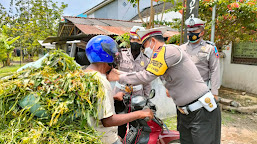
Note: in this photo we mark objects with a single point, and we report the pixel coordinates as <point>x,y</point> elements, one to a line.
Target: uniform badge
<point>216,52</point>
<point>158,65</point>
<point>191,22</point>
<point>194,37</point>
<point>207,100</point>
<point>155,55</point>
<point>142,63</point>
<point>203,48</point>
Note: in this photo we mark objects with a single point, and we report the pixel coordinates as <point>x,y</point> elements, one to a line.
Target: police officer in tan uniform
<point>197,106</point>
<point>131,60</point>
<point>203,54</point>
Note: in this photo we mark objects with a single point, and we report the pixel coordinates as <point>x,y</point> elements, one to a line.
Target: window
<point>244,53</point>
<point>124,4</point>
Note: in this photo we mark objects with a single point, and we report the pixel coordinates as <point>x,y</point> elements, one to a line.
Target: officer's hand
<point>119,96</point>
<point>113,75</point>
<point>168,94</point>
<point>216,97</point>
<point>147,113</point>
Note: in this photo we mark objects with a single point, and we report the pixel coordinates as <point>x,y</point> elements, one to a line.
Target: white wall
<point>168,17</point>
<point>239,76</point>
<point>128,12</point>
<point>109,11</point>
<point>165,106</point>
<point>120,11</point>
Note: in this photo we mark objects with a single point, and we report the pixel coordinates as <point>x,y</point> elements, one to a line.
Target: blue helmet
<point>101,48</point>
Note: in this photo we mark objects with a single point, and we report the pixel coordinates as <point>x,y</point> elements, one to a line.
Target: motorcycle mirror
<point>152,93</point>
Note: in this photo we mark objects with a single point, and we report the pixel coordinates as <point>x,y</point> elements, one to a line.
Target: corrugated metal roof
<point>101,22</point>
<point>104,30</point>
<point>97,26</point>
<point>116,30</point>
<point>88,29</point>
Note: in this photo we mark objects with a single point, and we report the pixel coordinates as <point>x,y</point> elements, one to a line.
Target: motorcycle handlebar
<point>147,118</point>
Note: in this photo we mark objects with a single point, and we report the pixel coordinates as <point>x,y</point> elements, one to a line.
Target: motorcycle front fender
<point>168,136</point>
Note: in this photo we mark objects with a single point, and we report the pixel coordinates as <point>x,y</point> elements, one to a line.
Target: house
<point>168,17</point>
<point>116,9</point>
<point>75,32</point>
<point>123,10</point>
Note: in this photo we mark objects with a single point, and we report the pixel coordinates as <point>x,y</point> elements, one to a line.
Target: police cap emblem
<point>191,22</point>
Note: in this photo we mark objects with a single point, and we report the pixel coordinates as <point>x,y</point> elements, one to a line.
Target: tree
<point>33,20</point>
<point>6,47</point>
<point>150,24</point>
<point>235,21</point>
<point>123,40</point>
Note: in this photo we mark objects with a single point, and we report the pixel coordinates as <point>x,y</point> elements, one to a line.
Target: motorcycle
<point>145,131</point>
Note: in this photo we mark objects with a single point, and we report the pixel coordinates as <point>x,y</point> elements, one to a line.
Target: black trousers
<point>119,107</point>
<point>200,127</point>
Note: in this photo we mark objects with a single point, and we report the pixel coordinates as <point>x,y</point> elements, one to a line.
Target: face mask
<point>135,49</point>
<point>193,37</point>
<point>148,51</point>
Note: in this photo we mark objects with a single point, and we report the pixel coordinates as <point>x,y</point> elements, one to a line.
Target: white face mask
<point>149,51</point>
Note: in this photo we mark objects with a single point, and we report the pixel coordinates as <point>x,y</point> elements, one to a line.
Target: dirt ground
<point>244,98</point>
<point>239,128</point>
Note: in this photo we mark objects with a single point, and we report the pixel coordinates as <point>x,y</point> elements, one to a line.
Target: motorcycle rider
<point>131,60</point>
<point>101,51</point>
<point>199,112</point>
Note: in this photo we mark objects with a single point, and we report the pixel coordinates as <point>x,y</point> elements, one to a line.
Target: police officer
<point>203,53</point>
<point>131,60</point>
<point>197,106</point>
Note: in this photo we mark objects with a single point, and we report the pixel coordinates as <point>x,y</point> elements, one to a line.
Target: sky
<point>75,7</point>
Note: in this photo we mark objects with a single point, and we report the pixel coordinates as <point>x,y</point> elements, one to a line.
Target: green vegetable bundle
<point>52,104</point>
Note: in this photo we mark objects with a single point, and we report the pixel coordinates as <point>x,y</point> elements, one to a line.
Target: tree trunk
<point>163,9</point>
<point>150,23</point>
<point>8,60</point>
<point>246,110</point>
<point>4,63</point>
<point>139,13</point>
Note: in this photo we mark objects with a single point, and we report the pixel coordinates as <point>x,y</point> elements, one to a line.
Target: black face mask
<point>135,49</point>
<point>194,37</point>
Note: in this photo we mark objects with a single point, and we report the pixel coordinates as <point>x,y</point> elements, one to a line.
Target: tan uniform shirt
<point>109,134</point>
<point>206,61</point>
<point>183,80</point>
<point>128,64</point>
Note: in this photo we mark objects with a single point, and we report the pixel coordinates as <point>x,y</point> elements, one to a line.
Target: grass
<point>171,123</point>
<point>4,71</point>
<point>227,117</point>
<point>18,58</point>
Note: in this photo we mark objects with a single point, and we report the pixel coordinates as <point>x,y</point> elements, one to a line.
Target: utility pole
<point>182,23</point>
<point>213,23</point>
<point>192,7</point>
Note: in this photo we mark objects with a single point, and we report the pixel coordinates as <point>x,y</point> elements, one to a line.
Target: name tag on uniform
<point>142,63</point>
